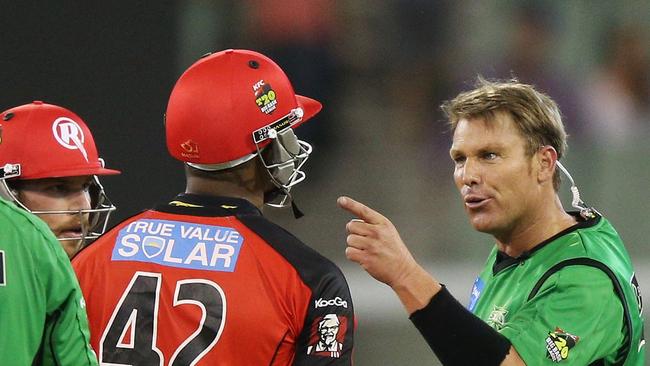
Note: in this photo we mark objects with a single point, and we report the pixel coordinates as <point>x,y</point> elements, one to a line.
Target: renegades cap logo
<point>69,135</point>
<point>559,343</point>
<point>265,97</point>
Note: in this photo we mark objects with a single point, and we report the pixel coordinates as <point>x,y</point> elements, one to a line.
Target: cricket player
<point>49,167</point>
<point>42,315</point>
<point>557,287</point>
<point>204,278</point>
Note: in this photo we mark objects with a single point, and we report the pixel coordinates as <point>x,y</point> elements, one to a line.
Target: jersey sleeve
<point>575,318</point>
<point>327,334</point>
<point>327,328</point>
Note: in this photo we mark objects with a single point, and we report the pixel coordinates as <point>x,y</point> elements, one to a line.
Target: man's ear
<point>546,159</point>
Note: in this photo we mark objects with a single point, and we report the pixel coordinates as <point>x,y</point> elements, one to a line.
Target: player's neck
<point>542,224</point>
<point>248,181</point>
<point>225,189</point>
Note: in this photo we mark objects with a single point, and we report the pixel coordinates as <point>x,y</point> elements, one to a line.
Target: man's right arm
<point>487,345</point>
<point>448,327</point>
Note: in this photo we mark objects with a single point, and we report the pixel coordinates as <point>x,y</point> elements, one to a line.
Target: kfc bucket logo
<point>69,135</point>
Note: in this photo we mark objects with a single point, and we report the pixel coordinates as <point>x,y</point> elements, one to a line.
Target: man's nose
<point>471,174</point>
<point>80,201</point>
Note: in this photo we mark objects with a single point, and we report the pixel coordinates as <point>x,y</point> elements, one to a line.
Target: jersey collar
<point>504,261</point>
<point>202,205</point>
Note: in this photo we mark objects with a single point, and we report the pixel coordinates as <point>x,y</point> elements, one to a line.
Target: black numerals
<point>129,338</point>
<point>209,296</point>
<point>130,335</point>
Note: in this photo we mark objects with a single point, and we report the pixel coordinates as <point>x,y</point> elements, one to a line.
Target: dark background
<point>113,65</point>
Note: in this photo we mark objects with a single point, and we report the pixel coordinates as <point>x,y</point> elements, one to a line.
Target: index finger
<point>360,210</point>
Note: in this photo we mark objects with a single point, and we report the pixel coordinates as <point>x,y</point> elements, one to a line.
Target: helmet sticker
<point>69,135</point>
<point>283,123</point>
<point>265,97</point>
<point>190,149</point>
<point>9,171</point>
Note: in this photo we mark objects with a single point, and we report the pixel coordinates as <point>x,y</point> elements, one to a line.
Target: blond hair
<point>536,116</point>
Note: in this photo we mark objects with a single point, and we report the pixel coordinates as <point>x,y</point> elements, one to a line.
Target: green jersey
<point>42,313</point>
<point>572,299</point>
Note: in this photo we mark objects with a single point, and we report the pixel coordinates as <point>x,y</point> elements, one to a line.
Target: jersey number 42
<point>130,335</point>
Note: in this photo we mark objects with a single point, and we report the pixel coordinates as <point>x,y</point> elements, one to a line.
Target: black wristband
<point>456,336</point>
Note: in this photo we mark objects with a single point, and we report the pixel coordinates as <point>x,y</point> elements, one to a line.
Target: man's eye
<point>458,160</point>
<point>490,156</point>
<point>59,188</point>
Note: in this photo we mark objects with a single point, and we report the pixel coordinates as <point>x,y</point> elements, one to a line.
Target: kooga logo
<point>337,301</point>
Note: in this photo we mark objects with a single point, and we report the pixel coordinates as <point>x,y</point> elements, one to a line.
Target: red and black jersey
<point>209,281</point>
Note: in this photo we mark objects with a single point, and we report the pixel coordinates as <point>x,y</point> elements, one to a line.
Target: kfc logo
<point>69,135</point>
<point>327,336</point>
<point>265,97</point>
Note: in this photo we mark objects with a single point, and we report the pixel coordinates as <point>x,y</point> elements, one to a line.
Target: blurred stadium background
<point>382,68</point>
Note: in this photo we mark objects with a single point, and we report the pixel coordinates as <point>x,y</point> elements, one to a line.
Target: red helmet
<point>47,141</point>
<point>222,99</point>
<point>230,105</point>
<point>40,140</point>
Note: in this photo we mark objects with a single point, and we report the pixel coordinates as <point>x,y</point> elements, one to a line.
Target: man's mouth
<point>70,233</point>
<point>475,201</point>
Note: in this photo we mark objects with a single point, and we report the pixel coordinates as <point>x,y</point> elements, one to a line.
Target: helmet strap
<point>296,211</point>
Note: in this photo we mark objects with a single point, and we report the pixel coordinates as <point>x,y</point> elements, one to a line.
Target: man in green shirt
<point>42,313</point>
<point>48,167</point>
<point>558,287</point>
